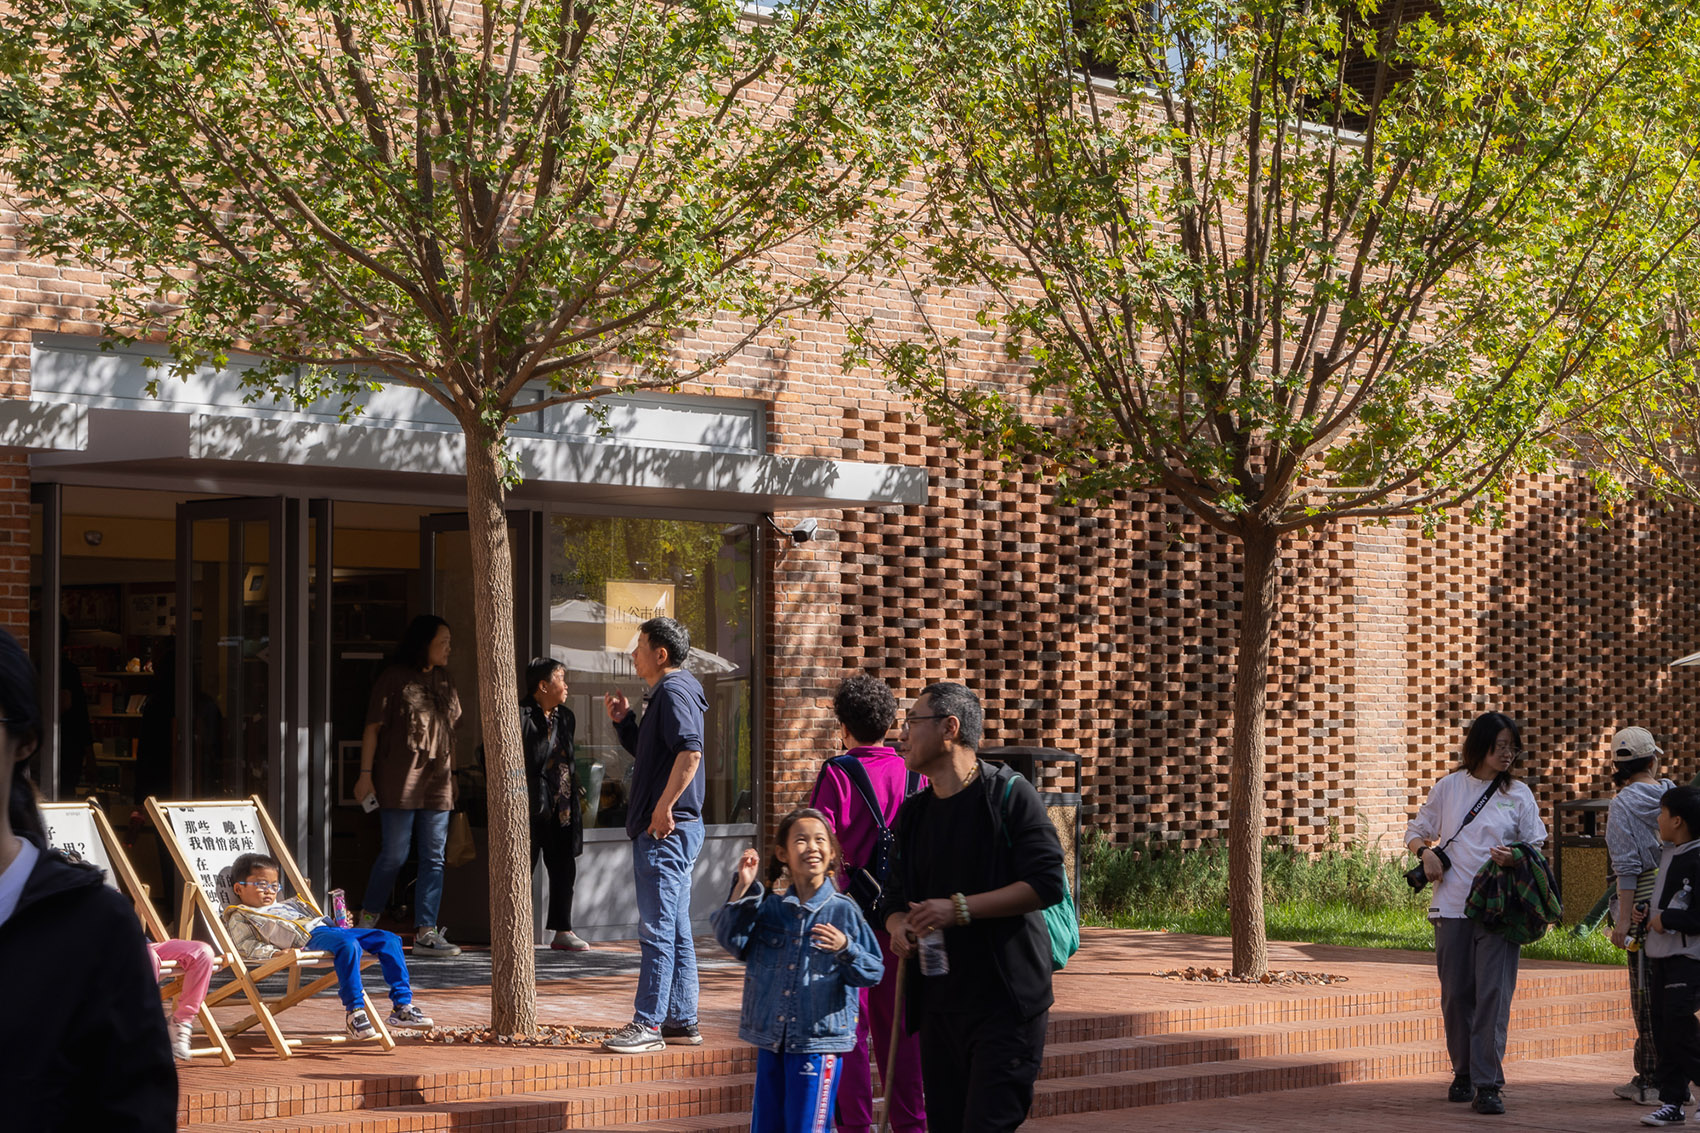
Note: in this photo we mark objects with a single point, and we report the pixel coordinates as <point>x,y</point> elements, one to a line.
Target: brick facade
<point>15,543</point>
<point>1111,631</point>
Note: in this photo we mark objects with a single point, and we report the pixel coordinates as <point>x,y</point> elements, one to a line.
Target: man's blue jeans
<point>345,946</point>
<point>667,981</point>
<point>398,827</point>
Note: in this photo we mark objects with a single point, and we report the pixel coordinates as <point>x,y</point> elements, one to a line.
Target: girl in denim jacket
<point>807,950</point>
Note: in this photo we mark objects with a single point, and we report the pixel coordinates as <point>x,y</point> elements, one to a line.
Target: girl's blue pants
<point>794,1092</point>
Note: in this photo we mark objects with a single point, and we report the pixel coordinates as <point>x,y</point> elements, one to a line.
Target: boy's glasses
<point>268,886</point>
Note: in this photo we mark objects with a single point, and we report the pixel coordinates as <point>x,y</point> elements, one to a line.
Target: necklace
<point>973,773</point>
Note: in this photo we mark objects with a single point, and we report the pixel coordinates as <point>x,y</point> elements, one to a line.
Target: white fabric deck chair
<point>82,830</point>
<point>204,840</point>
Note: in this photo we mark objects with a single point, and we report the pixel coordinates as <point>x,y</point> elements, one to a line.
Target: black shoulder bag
<point>1416,877</point>
<point>867,881</point>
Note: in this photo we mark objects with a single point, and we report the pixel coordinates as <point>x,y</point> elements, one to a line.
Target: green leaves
<point>543,197</point>
<point>1298,263</point>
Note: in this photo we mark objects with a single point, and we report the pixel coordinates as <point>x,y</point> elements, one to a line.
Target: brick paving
<point>1126,1050</point>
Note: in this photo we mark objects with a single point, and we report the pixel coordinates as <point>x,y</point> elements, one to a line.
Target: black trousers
<point>554,844</point>
<point>978,1070</point>
<point>1674,996</point>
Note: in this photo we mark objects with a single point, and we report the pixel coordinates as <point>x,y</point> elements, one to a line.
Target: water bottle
<point>339,909</point>
<point>1680,901</point>
<point>934,960</point>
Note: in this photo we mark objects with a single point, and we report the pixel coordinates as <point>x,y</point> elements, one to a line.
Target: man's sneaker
<point>408,1016</point>
<point>1460,1090</point>
<point>180,1032</point>
<point>569,941</point>
<point>1488,1101</point>
<point>366,920</point>
<point>359,1025</point>
<point>1665,1115</point>
<point>681,1034</point>
<point>634,1038</point>
<point>1630,1091</point>
<point>432,942</point>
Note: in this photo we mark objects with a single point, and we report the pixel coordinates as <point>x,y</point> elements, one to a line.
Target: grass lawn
<point>1336,922</point>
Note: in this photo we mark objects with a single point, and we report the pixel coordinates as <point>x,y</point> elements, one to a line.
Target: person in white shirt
<point>1478,968</point>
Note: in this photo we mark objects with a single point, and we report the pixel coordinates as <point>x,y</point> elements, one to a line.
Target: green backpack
<point>1061,924</point>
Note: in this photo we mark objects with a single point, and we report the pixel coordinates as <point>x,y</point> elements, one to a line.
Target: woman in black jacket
<point>87,1047</point>
<point>551,781</point>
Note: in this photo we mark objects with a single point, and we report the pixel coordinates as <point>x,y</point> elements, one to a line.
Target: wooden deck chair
<point>83,831</point>
<point>204,840</point>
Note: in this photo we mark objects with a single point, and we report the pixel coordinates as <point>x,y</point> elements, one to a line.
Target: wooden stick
<point>891,1049</point>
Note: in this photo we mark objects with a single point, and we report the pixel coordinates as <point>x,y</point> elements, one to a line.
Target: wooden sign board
<point>72,832</point>
<point>213,836</point>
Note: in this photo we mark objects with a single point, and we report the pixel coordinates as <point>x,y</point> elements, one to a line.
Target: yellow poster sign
<point>631,602</point>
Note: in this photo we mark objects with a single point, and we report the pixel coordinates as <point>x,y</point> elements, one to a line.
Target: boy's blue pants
<point>345,946</point>
<point>794,1092</point>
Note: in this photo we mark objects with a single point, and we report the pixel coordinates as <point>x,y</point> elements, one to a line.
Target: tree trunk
<point>1258,603</point>
<point>513,965</point>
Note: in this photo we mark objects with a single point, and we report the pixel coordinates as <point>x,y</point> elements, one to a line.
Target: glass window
<point>606,577</point>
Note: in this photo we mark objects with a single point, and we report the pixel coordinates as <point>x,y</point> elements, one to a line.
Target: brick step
<point>1130,1089</point>
<point>722,1102</point>
<point>1190,1048</point>
<point>703,1105</point>
<point>1387,1106</point>
<point>552,1071</point>
<point>1114,1044</point>
<point>709,1123</point>
<point>1066,1028</point>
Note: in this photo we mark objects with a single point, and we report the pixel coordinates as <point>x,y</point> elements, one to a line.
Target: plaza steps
<point>1271,1040</point>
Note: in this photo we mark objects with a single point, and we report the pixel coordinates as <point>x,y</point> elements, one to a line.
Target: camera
<point>1416,877</point>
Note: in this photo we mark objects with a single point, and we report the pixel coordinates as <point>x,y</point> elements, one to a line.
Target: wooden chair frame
<point>130,884</point>
<point>289,961</point>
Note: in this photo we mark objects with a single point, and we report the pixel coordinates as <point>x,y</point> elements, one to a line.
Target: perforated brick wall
<point>1109,632</point>
<point>1564,625</point>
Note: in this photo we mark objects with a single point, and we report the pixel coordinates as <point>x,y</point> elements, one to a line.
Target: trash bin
<point>1062,806</point>
<point>1580,861</point>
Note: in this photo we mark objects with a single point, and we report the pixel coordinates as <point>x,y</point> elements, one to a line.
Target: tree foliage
<point>1297,262</point>
<point>508,205</point>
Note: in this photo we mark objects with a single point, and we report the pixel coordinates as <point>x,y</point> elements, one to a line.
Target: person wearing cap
<point>1632,841</point>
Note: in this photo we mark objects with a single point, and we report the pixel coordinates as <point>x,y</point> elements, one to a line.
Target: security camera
<point>805,530</point>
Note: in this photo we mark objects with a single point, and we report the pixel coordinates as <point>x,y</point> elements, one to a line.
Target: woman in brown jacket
<point>407,762</point>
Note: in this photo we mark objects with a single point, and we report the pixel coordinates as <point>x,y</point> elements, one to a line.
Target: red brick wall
<point>15,543</point>
<point>1564,624</point>
<point>1111,631</point>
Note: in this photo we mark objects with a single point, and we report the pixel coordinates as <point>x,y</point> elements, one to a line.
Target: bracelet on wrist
<point>961,903</point>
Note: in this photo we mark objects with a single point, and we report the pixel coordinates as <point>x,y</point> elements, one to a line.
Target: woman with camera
<point>1476,813</point>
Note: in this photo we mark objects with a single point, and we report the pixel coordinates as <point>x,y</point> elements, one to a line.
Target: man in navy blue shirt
<point>664,821</point>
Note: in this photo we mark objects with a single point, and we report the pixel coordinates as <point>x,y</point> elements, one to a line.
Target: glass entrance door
<point>445,559</point>
<point>236,600</point>
<point>445,554</point>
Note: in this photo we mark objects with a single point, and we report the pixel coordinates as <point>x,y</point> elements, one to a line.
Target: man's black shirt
<point>964,844</point>
<point>942,868</point>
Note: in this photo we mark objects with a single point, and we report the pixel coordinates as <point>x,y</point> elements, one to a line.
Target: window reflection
<point>606,576</point>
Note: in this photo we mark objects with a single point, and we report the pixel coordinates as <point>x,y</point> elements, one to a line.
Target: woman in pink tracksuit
<point>195,963</point>
<point>866,709</point>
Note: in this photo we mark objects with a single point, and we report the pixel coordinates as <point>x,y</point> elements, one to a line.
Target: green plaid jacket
<point>1517,901</point>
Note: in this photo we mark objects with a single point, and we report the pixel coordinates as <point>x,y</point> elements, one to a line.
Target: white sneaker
<point>360,1026</point>
<point>180,1032</point>
<point>409,1017</point>
<point>432,942</point>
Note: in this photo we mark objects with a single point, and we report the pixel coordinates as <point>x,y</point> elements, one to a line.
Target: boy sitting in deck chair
<point>262,926</point>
